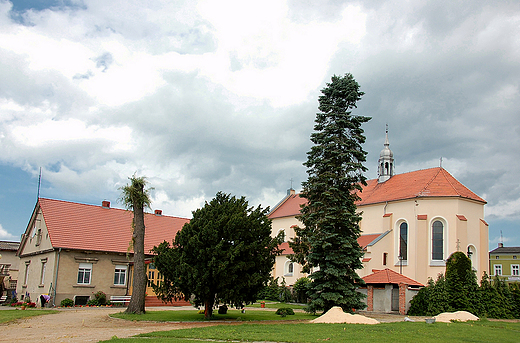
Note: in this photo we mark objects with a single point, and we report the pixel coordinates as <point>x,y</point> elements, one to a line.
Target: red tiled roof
<point>388,276</point>
<point>88,227</point>
<point>433,182</point>
<point>286,249</point>
<point>363,241</point>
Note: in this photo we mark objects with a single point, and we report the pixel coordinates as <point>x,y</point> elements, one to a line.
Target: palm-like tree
<point>135,197</point>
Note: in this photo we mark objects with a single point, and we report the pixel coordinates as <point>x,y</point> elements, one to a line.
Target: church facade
<point>411,223</point>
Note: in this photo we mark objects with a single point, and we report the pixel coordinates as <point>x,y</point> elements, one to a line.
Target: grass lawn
<point>482,331</point>
<point>10,315</point>
<point>194,316</point>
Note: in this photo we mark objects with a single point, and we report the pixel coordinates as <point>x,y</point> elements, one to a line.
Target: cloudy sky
<point>221,95</point>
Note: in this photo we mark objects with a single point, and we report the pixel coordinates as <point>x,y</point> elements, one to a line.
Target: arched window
<point>403,241</point>
<point>289,268</point>
<point>437,240</point>
<point>282,231</point>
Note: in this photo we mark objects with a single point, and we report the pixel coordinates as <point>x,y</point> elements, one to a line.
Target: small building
<point>8,268</point>
<point>389,291</point>
<point>505,262</point>
<point>72,250</point>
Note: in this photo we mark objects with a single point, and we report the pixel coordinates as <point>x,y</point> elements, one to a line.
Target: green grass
<point>474,332</point>
<point>10,315</point>
<point>194,316</point>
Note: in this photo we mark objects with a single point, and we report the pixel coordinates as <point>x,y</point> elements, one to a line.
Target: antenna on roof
<point>501,237</point>
<point>291,182</point>
<point>39,183</point>
<point>440,162</point>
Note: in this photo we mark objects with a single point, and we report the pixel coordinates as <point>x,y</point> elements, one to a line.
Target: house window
<point>84,273</point>
<point>515,269</point>
<point>437,241</point>
<point>514,257</point>
<point>151,277</point>
<point>38,237</point>
<point>498,269</point>
<point>496,257</point>
<point>385,257</point>
<point>26,274</point>
<point>403,241</point>
<point>42,272</point>
<point>120,276</point>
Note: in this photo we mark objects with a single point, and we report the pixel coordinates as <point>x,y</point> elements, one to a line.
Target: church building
<point>411,223</point>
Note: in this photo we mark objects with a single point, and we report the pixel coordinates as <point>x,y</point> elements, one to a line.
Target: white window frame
<point>42,272</point>
<point>287,268</point>
<point>83,270</point>
<point>497,270</point>
<point>120,272</point>
<point>445,238</point>
<point>515,270</point>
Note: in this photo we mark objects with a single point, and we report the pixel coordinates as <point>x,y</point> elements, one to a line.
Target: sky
<point>208,96</point>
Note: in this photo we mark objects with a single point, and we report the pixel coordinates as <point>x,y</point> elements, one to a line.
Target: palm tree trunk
<point>136,304</point>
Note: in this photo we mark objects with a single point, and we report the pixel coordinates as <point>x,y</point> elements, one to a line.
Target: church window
<point>437,240</point>
<point>403,241</point>
<point>385,257</point>
<point>289,268</point>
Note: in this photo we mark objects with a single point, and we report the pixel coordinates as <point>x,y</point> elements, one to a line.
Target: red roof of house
<point>88,227</point>
<point>388,276</point>
<point>433,182</point>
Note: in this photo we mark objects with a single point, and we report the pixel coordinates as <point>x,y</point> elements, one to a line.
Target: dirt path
<point>81,325</point>
<point>94,324</point>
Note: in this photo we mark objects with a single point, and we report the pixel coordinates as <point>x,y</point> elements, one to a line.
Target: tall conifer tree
<point>328,240</point>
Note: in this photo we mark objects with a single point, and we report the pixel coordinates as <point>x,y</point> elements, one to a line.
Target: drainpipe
<point>56,279</point>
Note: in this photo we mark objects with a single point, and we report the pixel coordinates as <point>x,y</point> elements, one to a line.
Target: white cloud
<point>4,235</point>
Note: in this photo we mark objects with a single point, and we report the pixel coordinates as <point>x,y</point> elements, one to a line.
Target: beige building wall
<point>463,228</point>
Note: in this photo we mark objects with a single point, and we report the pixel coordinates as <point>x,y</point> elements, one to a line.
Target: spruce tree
<point>330,218</point>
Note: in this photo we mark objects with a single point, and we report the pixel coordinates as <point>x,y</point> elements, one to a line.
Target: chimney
<point>500,245</point>
<point>105,204</point>
<point>291,191</point>
<point>158,212</point>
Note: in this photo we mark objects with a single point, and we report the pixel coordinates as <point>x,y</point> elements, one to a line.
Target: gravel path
<point>81,325</point>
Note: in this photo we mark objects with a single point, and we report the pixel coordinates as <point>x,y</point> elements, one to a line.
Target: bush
<point>101,298</point>
<point>301,287</point>
<point>285,311</point>
<point>67,302</point>
<point>222,309</point>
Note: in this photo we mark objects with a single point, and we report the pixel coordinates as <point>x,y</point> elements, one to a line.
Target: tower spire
<point>386,160</point>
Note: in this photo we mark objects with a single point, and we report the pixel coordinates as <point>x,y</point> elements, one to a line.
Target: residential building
<point>8,268</point>
<point>72,250</point>
<point>505,262</point>
<point>411,223</point>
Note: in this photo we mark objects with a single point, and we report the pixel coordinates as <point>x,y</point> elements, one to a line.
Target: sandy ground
<point>94,324</point>
<point>81,325</point>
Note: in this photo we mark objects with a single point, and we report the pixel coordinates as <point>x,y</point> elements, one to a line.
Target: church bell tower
<point>386,161</point>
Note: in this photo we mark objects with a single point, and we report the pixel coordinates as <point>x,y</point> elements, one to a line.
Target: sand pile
<point>336,315</point>
<point>461,316</point>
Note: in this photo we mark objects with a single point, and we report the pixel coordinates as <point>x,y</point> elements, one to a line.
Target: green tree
<point>223,255</point>
<point>461,284</point>
<point>438,297</point>
<point>135,197</point>
<point>328,240</point>
<point>301,287</point>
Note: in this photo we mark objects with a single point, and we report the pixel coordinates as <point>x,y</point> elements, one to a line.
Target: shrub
<point>101,298</point>
<point>93,302</point>
<point>301,287</point>
<point>222,309</point>
<point>285,311</point>
<point>67,302</point>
